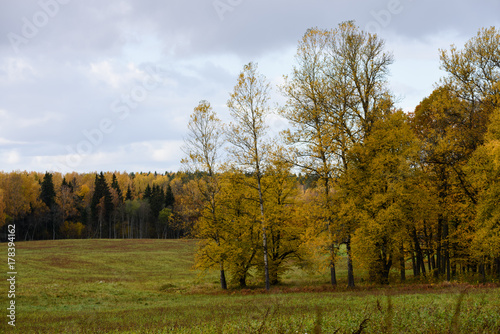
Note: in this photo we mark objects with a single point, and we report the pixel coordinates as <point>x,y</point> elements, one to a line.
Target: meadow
<point>149,286</point>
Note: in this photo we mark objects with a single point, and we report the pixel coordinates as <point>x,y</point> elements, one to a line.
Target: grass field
<point>148,286</point>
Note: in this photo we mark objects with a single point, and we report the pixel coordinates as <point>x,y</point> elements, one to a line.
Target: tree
<point>452,123</point>
<point>248,108</point>
<point>128,195</point>
<point>2,209</point>
<point>101,206</point>
<point>116,186</point>
<point>450,130</point>
<point>283,231</point>
<point>164,222</point>
<point>314,149</point>
<point>359,67</point>
<point>21,197</point>
<point>169,197</point>
<point>66,202</point>
<point>382,176</point>
<point>484,172</point>
<point>131,214</point>
<point>48,196</point>
<point>188,205</point>
<point>202,145</point>
<point>474,72</point>
<point>335,96</point>
<point>147,192</point>
<point>48,193</point>
<point>241,228</point>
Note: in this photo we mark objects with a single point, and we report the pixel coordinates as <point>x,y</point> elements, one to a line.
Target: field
<point>148,286</point>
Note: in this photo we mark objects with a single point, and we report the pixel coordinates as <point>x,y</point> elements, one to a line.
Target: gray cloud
<point>66,65</point>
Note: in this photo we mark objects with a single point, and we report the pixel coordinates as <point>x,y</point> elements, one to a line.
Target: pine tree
<point>169,198</point>
<point>101,206</point>
<point>48,196</point>
<point>116,186</point>
<point>48,193</point>
<point>147,192</point>
<point>156,201</point>
<point>128,195</point>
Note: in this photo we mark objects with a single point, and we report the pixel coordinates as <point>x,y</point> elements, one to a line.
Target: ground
<point>149,286</point>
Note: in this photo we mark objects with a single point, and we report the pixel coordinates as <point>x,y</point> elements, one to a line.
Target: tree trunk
<point>223,283</point>
<point>420,267</point>
<point>497,260</point>
<point>439,265</point>
<point>350,271</point>
<point>402,262</point>
<point>264,236</point>
<point>429,261</point>
<point>266,263</point>
<point>482,271</point>
<point>422,264</point>
<point>446,264</point>
<point>333,275</point>
<point>414,264</point>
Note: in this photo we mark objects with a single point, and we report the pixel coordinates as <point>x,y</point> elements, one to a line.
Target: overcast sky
<point>91,85</point>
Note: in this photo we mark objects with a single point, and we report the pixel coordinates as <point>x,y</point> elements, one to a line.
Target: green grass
<point>148,286</point>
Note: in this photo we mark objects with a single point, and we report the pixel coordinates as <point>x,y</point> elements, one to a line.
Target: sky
<point>109,85</point>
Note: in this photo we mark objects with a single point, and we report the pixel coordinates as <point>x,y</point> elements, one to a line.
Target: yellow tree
<point>283,231</point>
<point>312,135</point>
<point>2,209</point>
<point>473,73</point>
<point>382,181</point>
<point>484,171</point>
<point>202,146</point>
<point>65,200</point>
<point>188,205</point>
<point>450,129</point>
<point>21,197</point>
<point>248,105</point>
<point>473,77</point>
<point>241,227</point>
<point>333,100</point>
<point>473,84</point>
<point>21,190</point>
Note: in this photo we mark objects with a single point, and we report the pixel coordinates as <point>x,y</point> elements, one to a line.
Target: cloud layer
<point>111,84</point>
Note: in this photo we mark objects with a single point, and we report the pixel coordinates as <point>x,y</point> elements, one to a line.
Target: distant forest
<point>48,206</point>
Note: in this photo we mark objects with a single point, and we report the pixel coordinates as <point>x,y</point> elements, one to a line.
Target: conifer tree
<point>128,195</point>
<point>116,186</point>
<point>169,197</point>
<point>48,193</point>
<point>101,207</point>
<point>48,196</point>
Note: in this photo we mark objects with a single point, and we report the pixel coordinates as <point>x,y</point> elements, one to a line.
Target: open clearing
<point>148,286</point>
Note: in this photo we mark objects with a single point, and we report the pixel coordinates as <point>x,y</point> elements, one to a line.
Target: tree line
<point>391,189</point>
<point>49,205</point>
<point>95,205</point>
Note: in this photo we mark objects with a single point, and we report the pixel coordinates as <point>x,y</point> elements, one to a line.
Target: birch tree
<point>248,105</point>
<point>202,146</point>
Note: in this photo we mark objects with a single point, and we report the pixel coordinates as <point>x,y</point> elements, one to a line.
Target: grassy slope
<point>148,286</point>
